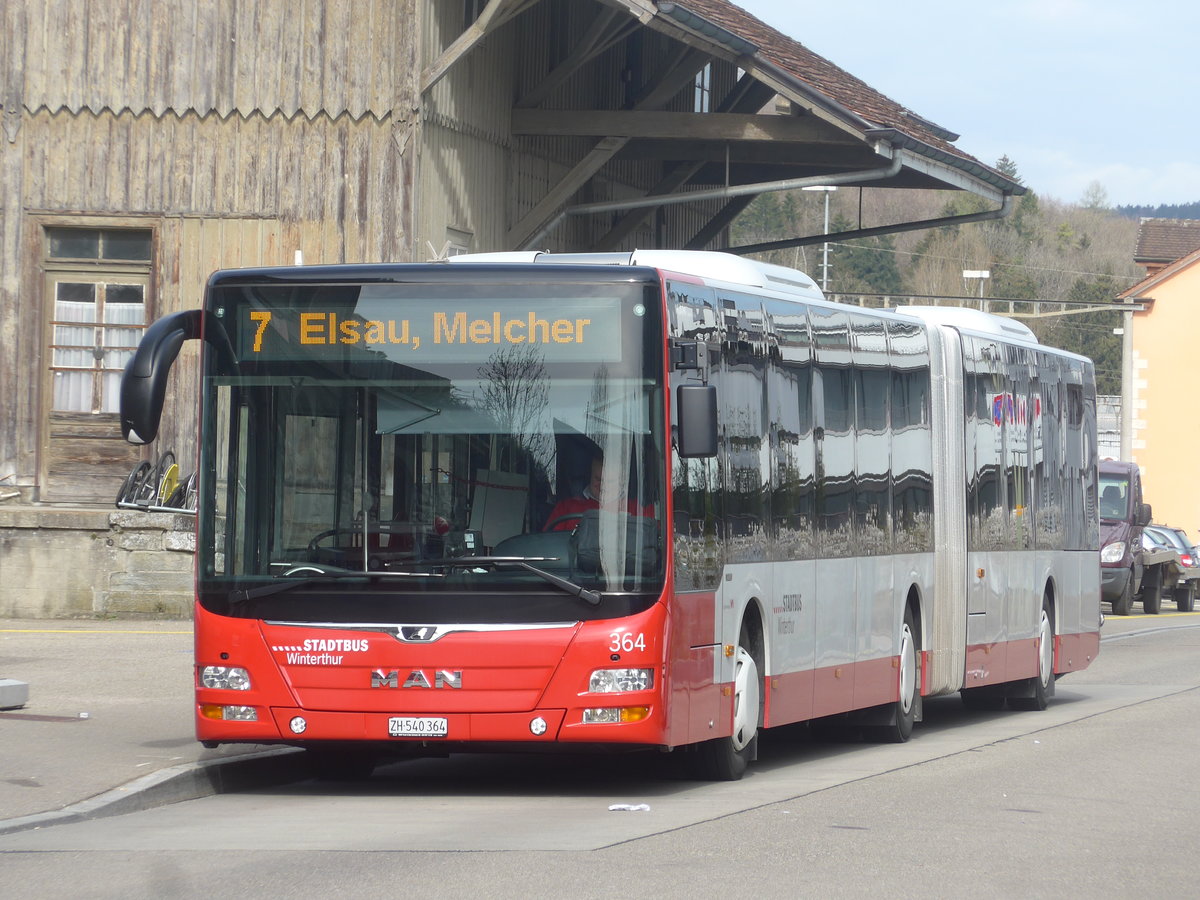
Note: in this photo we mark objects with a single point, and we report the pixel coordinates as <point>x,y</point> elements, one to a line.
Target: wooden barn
<point>146,143</point>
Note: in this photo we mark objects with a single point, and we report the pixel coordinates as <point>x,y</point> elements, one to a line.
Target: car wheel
<point>1185,597</point>
<point>1123,605</point>
<point>1152,585</point>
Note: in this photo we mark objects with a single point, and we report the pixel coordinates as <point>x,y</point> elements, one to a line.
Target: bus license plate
<point>417,726</point>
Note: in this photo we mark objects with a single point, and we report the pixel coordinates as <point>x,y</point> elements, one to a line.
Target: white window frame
<point>110,343</point>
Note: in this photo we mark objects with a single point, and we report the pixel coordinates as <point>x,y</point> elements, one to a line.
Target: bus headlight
<point>615,716</point>
<point>608,681</point>
<point>225,678</point>
<point>229,713</point>
<point>1113,552</point>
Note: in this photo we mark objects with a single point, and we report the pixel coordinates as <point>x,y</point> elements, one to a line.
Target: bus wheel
<point>905,713</point>
<point>726,759</point>
<point>1039,689</point>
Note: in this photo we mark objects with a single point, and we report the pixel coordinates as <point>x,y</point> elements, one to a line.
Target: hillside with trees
<point>1162,211</point>
<point>1055,258</point>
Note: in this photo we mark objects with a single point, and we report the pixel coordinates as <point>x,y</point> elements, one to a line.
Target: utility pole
<point>827,190</point>
<point>980,275</point>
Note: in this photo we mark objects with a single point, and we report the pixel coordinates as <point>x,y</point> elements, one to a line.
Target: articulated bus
<point>657,499</point>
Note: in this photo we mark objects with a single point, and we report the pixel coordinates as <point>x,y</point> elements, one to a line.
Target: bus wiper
<point>522,562</point>
<point>318,574</point>
<point>313,575</point>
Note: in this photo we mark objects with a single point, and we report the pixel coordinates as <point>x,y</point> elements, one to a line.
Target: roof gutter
<point>708,30</point>
<point>903,141</point>
<point>722,193</point>
<point>1005,208</point>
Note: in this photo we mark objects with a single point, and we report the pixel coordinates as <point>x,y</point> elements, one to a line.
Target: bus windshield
<point>433,452</point>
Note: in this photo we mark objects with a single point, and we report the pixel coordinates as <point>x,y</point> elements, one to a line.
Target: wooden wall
<point>222,56</point>
<point>239,133</point>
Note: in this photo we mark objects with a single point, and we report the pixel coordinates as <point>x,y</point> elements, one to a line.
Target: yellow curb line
<point>82,631</point>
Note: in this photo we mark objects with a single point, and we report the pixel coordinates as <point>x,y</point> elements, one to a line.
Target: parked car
<point>1177,539</point>
<point>1183,589</point>
<point>1126,569</point>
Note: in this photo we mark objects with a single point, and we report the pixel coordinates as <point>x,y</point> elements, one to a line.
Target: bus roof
<point>708,265</point>
<point>973,320</point>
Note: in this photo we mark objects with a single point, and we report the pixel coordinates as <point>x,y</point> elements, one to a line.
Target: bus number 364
<point>626,643</point>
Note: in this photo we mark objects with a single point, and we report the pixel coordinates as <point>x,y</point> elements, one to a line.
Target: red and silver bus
<point>653,499</point>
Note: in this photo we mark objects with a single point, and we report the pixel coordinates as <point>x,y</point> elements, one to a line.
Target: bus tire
<point>726,759</point>
<point>903,713</point>
<point>1036,692</point>
<point>1123,605</point>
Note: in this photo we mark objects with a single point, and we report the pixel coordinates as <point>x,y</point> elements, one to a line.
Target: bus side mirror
<point>1144,516</point>
<point>696,413</point>
<point>144,383</point>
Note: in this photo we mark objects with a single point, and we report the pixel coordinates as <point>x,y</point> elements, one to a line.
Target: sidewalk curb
<point>174,785</point>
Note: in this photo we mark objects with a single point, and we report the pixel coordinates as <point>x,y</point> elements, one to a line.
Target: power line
<point>913,253</point>
<point>974,299</point>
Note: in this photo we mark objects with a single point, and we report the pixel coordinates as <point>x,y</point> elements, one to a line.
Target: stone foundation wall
<point>62,563</point>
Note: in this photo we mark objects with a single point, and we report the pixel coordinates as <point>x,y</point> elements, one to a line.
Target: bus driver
<point>567,512</point>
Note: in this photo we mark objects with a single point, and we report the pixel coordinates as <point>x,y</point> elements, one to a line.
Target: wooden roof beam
<point>605,31</point>
<point>746,94</point>
<point>719,222</point>
<point>535,221</point>
<point>495,14</point>
<point>678,126</point>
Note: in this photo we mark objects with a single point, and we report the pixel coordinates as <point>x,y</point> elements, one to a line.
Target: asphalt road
<point>1092,797</point>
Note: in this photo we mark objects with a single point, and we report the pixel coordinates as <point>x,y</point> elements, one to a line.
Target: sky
<point>1073,91</point>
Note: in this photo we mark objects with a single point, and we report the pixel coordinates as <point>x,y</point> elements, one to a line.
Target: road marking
<point>83,631</point>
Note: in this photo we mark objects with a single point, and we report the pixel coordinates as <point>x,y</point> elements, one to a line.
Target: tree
<point>1095,197</point>
<point>1090,334</point>
<point>1008,168</point>
<point>1012,280</point>
<point>1039,252</point>
<point>866,265</point>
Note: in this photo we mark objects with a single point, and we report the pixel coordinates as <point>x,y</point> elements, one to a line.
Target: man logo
<point>415,633</point>
<point>443,678</point>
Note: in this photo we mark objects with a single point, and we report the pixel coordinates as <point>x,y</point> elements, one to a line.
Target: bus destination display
<point>403,331</point>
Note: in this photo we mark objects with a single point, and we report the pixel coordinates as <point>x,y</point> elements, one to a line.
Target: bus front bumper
<point>538,726</point>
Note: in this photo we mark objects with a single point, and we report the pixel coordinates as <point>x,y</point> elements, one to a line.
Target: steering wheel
<point>297,570</point>
<point>575,516</point>
<point>312,545</point>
